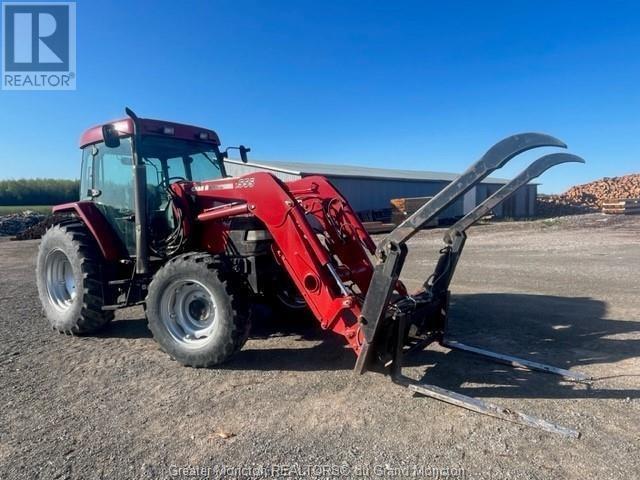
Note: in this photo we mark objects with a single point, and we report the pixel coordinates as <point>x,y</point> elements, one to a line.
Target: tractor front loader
<point>160,224</point>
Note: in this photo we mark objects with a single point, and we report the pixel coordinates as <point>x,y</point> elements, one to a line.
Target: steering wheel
<point>162,192</point>
<point>167,181</point>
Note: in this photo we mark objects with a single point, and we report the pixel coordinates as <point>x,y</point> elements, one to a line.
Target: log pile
<point>589,197</point>
<point>558,206</point>
<point>609,188</point>
<point>35,231</point>
<point>18,222</point>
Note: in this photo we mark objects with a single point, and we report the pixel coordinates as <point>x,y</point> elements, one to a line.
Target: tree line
<point>38,191</point>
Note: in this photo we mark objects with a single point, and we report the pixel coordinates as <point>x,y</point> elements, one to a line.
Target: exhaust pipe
<point>140,196</point>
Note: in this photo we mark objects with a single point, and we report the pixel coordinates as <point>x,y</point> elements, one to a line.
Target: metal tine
<point>490,409</point>
<point>517,362</point>
<point>495,158</point>
<point>534,170</point>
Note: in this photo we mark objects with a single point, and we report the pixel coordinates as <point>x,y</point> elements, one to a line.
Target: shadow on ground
<point>126,328</point>
<point>299,330</point>
<point>562,331</point>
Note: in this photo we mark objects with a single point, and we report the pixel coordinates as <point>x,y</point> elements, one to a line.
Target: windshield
<point>172,160</point>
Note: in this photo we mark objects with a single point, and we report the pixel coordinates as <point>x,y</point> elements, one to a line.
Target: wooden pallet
<point>402,208</point>
<point>409,205</point>
<point>626,206</point>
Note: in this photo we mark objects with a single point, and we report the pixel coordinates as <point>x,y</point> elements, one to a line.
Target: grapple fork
<point>389,327</point>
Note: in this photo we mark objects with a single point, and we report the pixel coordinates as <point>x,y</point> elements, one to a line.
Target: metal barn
<point>368,188</point>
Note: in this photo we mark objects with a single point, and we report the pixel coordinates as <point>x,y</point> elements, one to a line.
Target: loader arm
<point>330,278</point>
<point>321,243</point>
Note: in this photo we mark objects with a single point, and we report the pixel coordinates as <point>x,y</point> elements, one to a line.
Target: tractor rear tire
<point>198,310</point>
<point>69,276</point>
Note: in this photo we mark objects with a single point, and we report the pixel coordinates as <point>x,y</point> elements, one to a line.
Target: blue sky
<point>418,85</point>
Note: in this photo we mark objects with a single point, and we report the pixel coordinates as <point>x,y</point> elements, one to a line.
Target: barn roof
<point>356,171</point>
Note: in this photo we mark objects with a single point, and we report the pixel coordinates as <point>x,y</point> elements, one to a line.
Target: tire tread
<point>91,317</point>
<point>233,289</point>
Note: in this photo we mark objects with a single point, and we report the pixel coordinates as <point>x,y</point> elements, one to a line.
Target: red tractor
<point>159,223</point>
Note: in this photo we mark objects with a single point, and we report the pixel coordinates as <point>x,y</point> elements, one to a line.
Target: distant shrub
<point>38,191</point>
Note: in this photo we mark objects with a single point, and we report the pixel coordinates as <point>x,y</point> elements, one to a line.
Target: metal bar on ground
<point>490,409</point>
<point>516,362</point>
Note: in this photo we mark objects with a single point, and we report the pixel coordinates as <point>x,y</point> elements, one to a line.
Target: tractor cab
<point>169,153</point>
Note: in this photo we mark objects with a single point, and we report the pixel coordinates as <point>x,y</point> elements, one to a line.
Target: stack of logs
<point>36,231</point>
<point>18,222</point>
<point>590,197</point>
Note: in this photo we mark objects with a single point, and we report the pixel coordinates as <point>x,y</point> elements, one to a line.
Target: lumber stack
<point>401,208</point>
<point>627,206</point>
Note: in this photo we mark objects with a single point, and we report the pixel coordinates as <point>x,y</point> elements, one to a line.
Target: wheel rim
<point>60,281</point>
<point>188,312</point>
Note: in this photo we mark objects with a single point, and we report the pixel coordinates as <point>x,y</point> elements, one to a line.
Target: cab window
<point>109,173</point>
<point>113,175</point>
<point>174,159</point>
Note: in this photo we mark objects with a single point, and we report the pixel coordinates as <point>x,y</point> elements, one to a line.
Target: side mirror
<point>111,136</point>
<point>243,153</point>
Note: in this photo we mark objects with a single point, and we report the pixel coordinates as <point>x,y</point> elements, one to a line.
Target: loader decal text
<point>246,183</point>
<point>212,186</point>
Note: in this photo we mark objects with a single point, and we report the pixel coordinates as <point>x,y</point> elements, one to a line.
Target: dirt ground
<point>563,291</point>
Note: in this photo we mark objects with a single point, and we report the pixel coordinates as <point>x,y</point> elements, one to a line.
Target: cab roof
<point>151,127</point>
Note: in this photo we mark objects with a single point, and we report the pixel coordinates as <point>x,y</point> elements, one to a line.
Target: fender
<point>108,242</point>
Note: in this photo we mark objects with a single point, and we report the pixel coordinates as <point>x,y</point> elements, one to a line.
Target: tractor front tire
<point>198,310</point>
<point>70,280</point>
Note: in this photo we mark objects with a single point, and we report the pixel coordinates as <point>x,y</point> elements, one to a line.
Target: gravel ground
<point>562,290</point>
